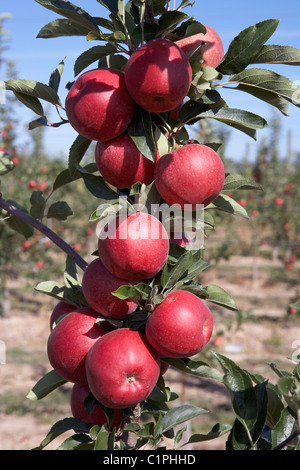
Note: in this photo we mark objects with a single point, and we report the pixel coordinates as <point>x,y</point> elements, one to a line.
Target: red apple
<point>242,202</point>
<point>70,341</point>
<point>191,174</point>
<point>61,308</point>
<point>31,184</point>
<point>26,244</point>
<point>42,186</point>
<point>158,75</point>
<point>122,368</point>
<point>218,341</point>
<point>212,49</point>
<point>180,326</point>
<point>79,393</point>
<point>279,201</point>
<point>98,104</point>
<point>97,285</point>
<point>39,264</point>
<point>122,164</point>
<point>134,247</point>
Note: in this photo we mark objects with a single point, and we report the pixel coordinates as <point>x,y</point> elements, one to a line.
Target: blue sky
<point>36,58</point>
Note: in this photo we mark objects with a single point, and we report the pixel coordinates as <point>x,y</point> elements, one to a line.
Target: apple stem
<point>15,212</point>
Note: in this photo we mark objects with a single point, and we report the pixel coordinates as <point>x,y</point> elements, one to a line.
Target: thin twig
<point>289,439</point>
<point>58,241</point>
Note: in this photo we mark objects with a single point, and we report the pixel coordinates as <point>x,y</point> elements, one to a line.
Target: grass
<point>14,401</point>
<point>47,410</point>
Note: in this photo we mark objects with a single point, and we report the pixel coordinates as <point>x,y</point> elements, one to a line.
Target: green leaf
<point>62,27</point>
<point>37,204</point>
<point>18,225</point>
<point>55,77</point>
<point>246,45</point>
<point>296,305</point>
<point>148,32</point>
<point>169,20</point>
<point>236,181</point>
<point>91,55</point>
<point>58,291</point>
<point>6,165</point>
<point>197,368</point>
<point>219,296</point>
<point>218,430</point>
<point>76,153</point>
<point>70,11</point>
<point>31,88</point>
<point>32,103</point>
<point>189,28</point>
<point>180,274</point>
<point>62,179</point>
<point>239,383</point>
<point>274,402</point>
<point>238,438</point>
<point>46,385</point>
<point>98,187</point>
<point>140,130</point>
<point>179,415</point>
<point>78,441</point>
<point>261,412</point>
<point>71,277</point>
<point>113,61</point>
<point>172,273</point>
<point>244,121</point>
<point>138,291</point>
<point>266,80</point>
<point>59,210</point>
<point>275,54</point>
<point>40,122</point>
<point>283,428</point>
<point>289,388</point>
<point>62,426</point>
<point>193,287</point>
<point>196,267</point>
<point>102,440</point>
<point>226,204</point>
<point>114,6</point>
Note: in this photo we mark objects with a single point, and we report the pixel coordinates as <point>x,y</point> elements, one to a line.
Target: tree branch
<point>15,212</point>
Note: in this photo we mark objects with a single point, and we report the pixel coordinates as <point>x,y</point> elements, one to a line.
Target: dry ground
<point>264,335</point>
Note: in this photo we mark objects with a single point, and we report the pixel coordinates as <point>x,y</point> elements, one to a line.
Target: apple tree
<point>147,80</point>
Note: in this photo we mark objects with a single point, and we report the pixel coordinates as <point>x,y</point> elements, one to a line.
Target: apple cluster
<point>103,102</point>
<point>119,365</point>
